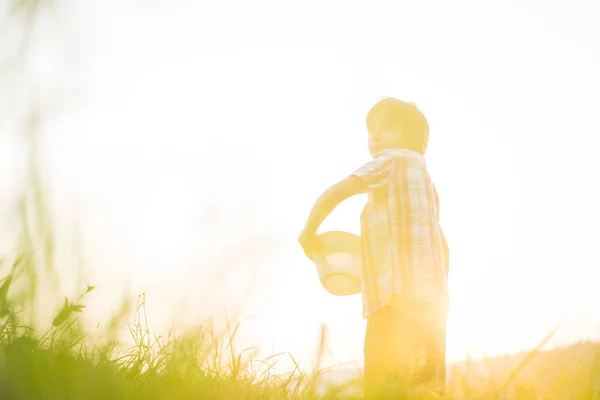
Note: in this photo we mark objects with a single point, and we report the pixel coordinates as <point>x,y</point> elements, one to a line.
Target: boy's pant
<point>405,349</point>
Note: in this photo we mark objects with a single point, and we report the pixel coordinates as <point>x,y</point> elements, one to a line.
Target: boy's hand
<point>310,243</point>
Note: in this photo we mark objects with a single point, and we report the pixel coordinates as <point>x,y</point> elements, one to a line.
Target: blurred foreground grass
<point>61,362</point>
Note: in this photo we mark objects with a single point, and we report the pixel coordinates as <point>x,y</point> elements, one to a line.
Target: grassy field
<point>62,362</point>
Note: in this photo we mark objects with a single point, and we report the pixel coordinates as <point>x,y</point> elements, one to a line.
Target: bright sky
<point>195,135</point>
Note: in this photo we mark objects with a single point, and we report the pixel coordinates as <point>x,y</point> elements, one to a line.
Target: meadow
<point>65,361</point>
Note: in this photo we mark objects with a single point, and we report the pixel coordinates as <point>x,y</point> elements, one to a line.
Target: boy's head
<point>395,124</point>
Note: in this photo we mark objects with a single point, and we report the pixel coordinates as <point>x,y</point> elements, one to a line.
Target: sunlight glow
<point>196,152</point>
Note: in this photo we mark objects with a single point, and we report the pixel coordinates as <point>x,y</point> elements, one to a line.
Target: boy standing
<point>404,253</point>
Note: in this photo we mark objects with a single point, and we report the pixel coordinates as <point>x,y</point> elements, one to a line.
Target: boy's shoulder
<point>379,171</point>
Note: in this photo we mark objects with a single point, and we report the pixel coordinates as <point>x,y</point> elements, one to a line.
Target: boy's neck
<point>399,151</point>
<point>399,148</point>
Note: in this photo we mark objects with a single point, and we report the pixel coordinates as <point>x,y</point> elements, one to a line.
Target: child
<point>404,253</point>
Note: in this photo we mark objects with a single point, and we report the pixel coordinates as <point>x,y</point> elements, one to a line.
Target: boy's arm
<point>328,201</point>
<point>372,175</point>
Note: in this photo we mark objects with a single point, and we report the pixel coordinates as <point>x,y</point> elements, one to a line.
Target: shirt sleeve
<point>376,173</point>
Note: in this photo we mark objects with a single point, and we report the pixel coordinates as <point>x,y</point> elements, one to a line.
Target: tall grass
<point>59,362</point>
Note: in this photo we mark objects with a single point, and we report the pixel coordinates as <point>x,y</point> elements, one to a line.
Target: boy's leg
<point>376,359</point>
<point>405,347</point>
<point>433,339</point>
<point>388,353</point>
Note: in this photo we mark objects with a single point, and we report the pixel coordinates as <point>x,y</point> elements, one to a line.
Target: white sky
<point>193,136</point>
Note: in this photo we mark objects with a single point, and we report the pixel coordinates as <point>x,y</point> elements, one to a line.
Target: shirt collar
<point>401,153</point>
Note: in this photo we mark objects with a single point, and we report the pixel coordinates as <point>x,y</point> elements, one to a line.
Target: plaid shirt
<point>402,243</point>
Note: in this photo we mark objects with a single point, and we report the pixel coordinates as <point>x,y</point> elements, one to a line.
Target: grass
<point>62,362</point>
